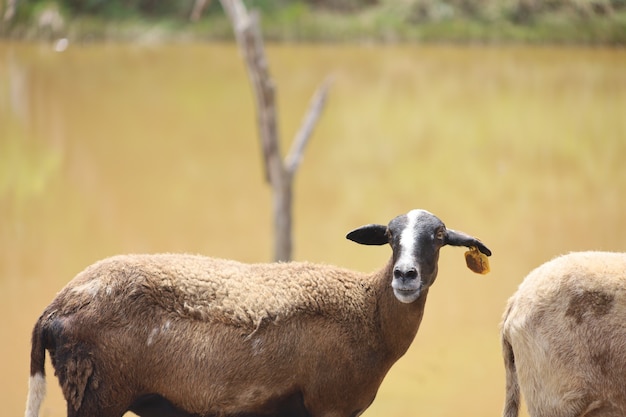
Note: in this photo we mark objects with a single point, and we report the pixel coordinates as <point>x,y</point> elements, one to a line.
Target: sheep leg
<point>93,407</point>
<point>98,400</point>
<point>292,406</point>
<point>512,401</point>
<point>154,405</point>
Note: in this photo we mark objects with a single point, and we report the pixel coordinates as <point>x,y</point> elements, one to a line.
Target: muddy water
<point>108,149</point>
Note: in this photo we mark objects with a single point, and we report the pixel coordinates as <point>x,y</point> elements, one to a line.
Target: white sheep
<point>184,335</point>
<point>564,338</point>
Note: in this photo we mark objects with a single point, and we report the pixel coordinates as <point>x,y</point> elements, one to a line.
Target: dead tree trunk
<point>278,172</point>
<point>198,7</point>
<point>9,10</point>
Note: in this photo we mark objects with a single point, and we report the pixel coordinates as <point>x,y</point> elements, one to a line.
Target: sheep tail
<point>37,381</point>
<point>512,399</point>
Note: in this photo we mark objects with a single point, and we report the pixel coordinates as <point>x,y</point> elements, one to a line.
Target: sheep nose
<point>405,273</point>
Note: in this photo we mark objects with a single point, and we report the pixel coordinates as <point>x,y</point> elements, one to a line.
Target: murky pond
<point>108,149</point>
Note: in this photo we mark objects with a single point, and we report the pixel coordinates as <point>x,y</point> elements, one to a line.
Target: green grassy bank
<point>484,21</point>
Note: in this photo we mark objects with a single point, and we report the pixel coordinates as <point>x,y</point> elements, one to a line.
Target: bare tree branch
<point>198,7</point>
<point>10,7</point>
<point>248,34</point>
<point>278,173</point>
<point>294,157</point>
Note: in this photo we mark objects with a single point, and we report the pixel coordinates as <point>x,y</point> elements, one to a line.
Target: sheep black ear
<point>371,234</point>
<point>454,238</point>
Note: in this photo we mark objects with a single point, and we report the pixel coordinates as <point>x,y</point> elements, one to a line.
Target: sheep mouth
<point>407,295</point>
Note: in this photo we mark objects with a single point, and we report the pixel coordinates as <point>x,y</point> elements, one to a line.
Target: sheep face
<point>415,238</point>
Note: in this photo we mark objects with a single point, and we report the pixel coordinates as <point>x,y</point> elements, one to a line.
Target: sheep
<point>564,338</point>
<point>188,335</point>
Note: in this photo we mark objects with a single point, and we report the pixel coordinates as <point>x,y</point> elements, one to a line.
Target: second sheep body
<point>564,338</point>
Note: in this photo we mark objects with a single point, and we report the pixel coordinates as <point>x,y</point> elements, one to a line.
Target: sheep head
<point>415,240</point>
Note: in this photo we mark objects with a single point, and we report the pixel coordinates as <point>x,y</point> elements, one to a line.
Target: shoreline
<point>324,28</point>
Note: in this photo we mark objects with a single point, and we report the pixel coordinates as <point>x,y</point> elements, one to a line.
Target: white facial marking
<point>407,238</point>
<point>36,393</point>
<point>408,290</point>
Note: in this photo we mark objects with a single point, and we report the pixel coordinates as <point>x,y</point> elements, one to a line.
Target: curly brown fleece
<point>218,290</point>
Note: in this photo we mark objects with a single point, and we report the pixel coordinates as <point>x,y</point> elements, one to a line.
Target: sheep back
<point>216,290</point>
<point>580,285</point>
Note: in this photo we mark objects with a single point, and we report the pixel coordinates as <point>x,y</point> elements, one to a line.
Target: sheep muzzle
<point>407,288</point>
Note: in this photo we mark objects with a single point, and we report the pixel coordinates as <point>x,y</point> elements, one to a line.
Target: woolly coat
<point>174,314</point>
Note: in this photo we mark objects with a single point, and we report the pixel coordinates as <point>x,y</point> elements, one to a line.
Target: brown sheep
<point>564,338</point>
<point>184,335</point>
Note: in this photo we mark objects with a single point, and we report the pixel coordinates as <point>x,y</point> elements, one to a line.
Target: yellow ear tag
<point>477,261</point>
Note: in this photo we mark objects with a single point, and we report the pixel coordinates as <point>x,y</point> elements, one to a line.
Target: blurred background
<point>129,127</point>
